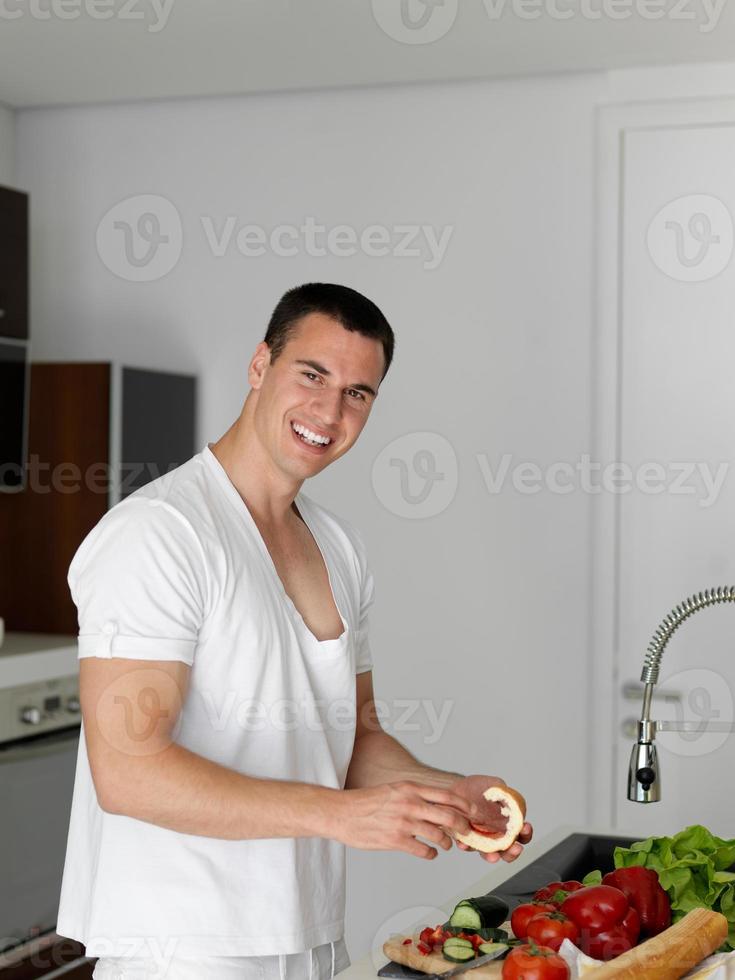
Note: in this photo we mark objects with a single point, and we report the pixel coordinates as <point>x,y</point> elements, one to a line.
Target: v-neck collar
<point>300,500</point>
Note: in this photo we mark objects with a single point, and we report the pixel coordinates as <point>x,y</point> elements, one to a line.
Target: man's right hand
<point>390,817</point>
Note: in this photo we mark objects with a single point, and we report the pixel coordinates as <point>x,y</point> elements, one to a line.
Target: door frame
<point>613,124</point>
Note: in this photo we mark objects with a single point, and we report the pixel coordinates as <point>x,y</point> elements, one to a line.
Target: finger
<point>513,852</point>
<point>419,849</point>
<point>435,794</point>
<point>445,816</point>
<point>433,833</point>
<point>526,833</point>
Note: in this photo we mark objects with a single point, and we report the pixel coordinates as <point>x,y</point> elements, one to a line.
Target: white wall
<point>484,604</point>
<point>7,146</point>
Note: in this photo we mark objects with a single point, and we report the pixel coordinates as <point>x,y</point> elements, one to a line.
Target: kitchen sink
<point>572,858</point>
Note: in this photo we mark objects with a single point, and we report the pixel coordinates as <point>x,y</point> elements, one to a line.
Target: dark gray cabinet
<point>13,264</point>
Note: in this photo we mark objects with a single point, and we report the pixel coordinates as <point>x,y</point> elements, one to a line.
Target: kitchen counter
<point>491,880</point>
<point>29,657</point>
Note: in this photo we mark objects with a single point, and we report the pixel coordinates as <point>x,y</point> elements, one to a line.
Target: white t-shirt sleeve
<point>363,653</point>
<point>139,583</point>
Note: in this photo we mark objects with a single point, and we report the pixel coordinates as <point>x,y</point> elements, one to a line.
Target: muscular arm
<point>377,757</point>
<point>130,709</point>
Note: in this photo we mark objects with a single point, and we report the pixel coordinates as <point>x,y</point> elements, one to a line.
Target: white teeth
<point>310,436</point>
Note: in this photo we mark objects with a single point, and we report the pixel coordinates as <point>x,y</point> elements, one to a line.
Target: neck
<point>268,493</point>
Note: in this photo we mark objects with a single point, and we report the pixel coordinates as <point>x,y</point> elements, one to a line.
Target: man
<point>231,748</point>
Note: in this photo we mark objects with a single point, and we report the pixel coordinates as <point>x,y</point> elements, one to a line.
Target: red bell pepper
<point>556,891</point>
<point>608,924</point>
<point>644,892</point>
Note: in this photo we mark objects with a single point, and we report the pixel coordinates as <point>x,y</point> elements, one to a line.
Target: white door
<point>666,518</point>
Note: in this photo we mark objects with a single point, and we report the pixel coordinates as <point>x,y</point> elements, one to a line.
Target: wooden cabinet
<point>82,972</point>
<point>13,264</point>
<point>97,432</point>
<point>36,970</point>
<point>47,955</point>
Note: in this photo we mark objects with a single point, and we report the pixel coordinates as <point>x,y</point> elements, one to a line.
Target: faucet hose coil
<point>673,621</point>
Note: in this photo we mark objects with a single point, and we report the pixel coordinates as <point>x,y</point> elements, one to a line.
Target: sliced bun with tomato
<point>498,813</point>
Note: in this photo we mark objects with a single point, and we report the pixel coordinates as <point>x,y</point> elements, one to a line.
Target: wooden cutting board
<point>435,962</point>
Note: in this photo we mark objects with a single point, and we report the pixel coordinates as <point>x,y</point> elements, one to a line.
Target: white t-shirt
<point>179,571</point>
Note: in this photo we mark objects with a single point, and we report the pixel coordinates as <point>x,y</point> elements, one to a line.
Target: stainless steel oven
<point>39,738</point>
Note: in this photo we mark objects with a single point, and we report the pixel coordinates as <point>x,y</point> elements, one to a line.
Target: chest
<point>303,574</point>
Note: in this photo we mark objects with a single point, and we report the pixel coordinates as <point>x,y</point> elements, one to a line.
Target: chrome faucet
<point>644,777</point>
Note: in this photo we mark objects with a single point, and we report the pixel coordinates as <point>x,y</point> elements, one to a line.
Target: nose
<point>327,407</point>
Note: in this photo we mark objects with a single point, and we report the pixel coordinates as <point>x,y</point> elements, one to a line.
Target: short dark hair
<point>348,307</point>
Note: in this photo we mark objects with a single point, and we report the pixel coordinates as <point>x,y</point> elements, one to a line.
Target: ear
<point>259,364</point>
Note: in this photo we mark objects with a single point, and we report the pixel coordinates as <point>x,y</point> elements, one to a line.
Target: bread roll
<point>501,813</point>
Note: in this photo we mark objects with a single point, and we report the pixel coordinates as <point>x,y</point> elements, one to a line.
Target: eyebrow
<point>322,370</point>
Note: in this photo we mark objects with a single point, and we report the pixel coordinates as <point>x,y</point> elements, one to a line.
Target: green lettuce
<point>693,868</point>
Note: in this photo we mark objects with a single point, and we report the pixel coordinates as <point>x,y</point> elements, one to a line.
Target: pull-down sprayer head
<point>644,778</point>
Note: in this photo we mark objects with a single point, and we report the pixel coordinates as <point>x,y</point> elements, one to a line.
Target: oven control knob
<point>31,715</point>
<point>72,705</point>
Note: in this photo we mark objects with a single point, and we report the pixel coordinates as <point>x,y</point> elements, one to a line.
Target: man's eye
<point>310,374</point>
<point>359,394</point>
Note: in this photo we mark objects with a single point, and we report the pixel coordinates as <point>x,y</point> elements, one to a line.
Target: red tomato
<point>597,907</point>
<point>425,935</point>
<point>556,891</point>
<point>534,963</point>
<point>551,929</point>
<point>608,925</point>
<point>523,914</point>
<point>423,949</point>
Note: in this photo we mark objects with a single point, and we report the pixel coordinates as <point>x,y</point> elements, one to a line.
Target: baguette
<point>672,953</point>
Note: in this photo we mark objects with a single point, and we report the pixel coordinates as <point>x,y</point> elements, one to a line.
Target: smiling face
<point>323,383</point>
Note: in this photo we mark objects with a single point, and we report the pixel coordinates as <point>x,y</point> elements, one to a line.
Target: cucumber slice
<point>485,912</point>
<point>484,948</point>
<point>457,941</point>
<point>466,917</point>
<point>458,954</point>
